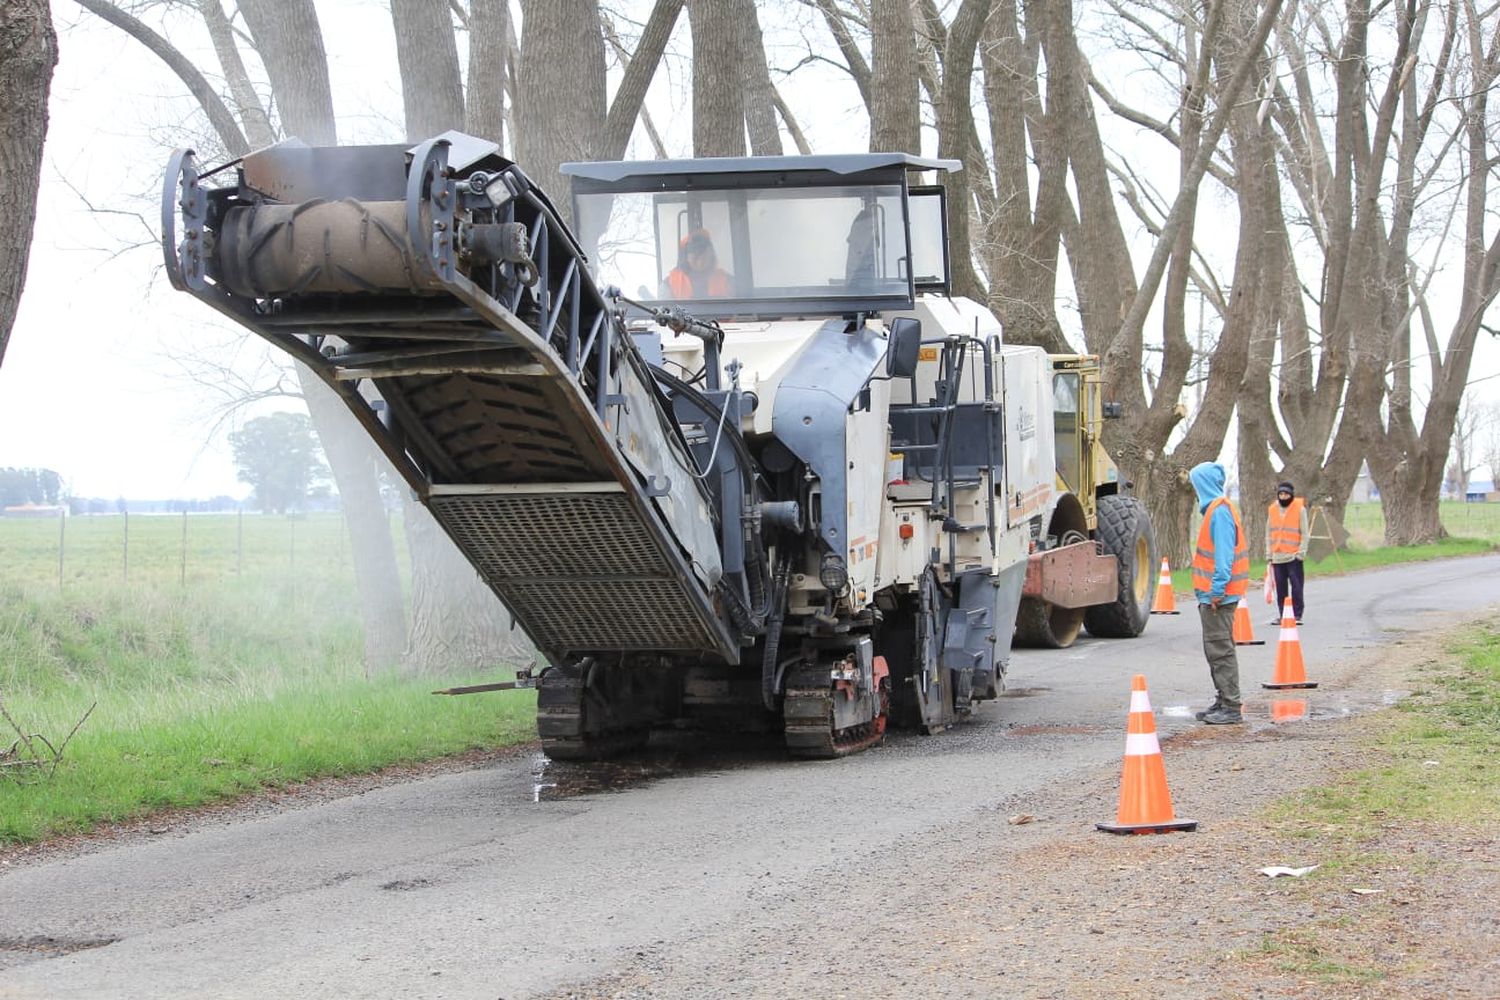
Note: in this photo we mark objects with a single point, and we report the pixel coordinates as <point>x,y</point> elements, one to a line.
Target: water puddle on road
<point>670,755</point>
<point>1023,692</point>
<point>1303,705</point>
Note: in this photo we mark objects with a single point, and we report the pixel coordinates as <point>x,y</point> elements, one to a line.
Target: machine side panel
<point>1030,473</point>
<point>867,441</point>
<point>811,410</point>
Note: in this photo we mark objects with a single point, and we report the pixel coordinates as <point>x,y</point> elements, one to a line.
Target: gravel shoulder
<point>1050,908</point>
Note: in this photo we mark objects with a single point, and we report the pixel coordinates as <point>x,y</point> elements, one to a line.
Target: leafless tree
<point>1487,444</point>
<point>1468,426</point>
<point>456,621</point>
<point>718,77</point>
<point>28,51</point>
<point>895,86</point>
<point>432,91</point>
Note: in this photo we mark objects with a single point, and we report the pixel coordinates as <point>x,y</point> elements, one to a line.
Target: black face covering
<point>1284,499</point>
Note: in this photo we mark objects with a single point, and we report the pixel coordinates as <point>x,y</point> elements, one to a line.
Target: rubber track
<point>808,721</point>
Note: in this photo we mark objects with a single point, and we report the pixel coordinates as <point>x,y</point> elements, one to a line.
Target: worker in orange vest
<point>697,274</point>
<point>1286,546</point>
<point>1221,576</point>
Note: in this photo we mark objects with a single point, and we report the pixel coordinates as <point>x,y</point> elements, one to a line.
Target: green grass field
<point>1365,522</point>
<point>236,668</point>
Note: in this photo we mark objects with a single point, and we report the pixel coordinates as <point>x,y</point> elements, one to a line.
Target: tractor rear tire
<point>1125,533</point>
<point>1047,626</point>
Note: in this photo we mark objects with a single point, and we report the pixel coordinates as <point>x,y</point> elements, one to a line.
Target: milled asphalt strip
<point>492,895</point>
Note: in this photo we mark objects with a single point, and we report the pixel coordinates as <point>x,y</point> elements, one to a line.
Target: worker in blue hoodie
<point>1221,575</point>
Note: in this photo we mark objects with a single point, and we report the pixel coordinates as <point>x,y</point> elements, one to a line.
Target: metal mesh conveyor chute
<point>453,313</point>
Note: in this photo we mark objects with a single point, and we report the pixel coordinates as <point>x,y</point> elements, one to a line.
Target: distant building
<point>1481,490</point>
<point>34,510</point>
<point>1364,490</point>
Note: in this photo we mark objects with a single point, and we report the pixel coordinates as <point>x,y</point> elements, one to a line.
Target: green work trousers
<point>1218,649</point>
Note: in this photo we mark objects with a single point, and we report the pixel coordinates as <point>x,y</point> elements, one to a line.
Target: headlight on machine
<point>833,574</point>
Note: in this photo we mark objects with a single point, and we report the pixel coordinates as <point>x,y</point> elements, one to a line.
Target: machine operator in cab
<point>697,274</point>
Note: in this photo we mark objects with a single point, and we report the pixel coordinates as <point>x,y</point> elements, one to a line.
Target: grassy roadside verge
<point>1355,560</point>
<point>1401,835</point>
<point>246,674</point>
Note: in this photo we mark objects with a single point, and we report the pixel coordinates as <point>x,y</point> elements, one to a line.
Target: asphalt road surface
<point>521,877</point>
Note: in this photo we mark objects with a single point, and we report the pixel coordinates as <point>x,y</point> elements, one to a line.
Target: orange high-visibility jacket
<point>1203,556</point>
<point>1284,528</point>
<point>682,285</point>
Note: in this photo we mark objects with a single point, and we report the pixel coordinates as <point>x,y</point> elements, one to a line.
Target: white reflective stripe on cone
<point>1141,744</point>
<point>1288,633</point>
<point>1140,701</point>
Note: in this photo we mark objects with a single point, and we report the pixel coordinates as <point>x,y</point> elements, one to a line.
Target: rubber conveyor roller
<point>439,295</point>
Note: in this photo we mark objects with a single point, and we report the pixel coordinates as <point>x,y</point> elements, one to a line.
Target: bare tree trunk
<point>355,464</point>
<point>484,108</point>
<point>641,67</point>
<point>290,42</point>
<point>432,92</point>
<point>955,136</point>
<point>790,121</point>
<point>561,92</point>
<point>895,90</point>
<point>718,78</point>
<point>652,135</point>
<point>458,624</point>
<point>247,103</point>
<point>1411,507</point>
<point>28,51</point>
<point>760,99</point>
<point>854,59</point>
<point>1021,246</point>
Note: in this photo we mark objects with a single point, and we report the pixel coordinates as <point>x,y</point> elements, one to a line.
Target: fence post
<point>291,559</point>
<point>125,548</point>
<point>62,542</point>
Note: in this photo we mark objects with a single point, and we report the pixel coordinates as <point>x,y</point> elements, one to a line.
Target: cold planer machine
<point>803,498</point>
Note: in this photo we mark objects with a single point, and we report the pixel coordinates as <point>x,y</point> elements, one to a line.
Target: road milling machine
<point>727,449</point>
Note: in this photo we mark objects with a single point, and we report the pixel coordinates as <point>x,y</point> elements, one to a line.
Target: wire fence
<point>185,550</point>
<point>1365,522</point>
<point>182,550</point>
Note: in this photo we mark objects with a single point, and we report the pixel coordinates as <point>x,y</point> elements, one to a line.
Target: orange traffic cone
<point>1290,672</point>
<point>1145,803</point>
<point>1166,601</point>
<point>1244,634</point>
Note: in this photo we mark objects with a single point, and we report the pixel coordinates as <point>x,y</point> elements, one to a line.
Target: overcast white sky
<point>89,386</point>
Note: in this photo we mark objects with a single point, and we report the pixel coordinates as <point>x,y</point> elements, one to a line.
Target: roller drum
<point>318,246</point>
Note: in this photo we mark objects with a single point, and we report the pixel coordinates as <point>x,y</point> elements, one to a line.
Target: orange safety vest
<point>1285,527</point>
<point>682,285</point>
<point>1203,556</point>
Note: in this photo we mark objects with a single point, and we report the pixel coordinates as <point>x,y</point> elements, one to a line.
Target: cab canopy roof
<point>638,175</point>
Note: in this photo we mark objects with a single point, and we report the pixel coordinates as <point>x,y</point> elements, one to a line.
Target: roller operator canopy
<point>766,237</point>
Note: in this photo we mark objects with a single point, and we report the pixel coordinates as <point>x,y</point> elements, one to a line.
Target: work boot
<point>1224,715</point>
<point>1203,714</point>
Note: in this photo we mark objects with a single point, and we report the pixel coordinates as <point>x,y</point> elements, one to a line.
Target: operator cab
<point>766,237</point>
